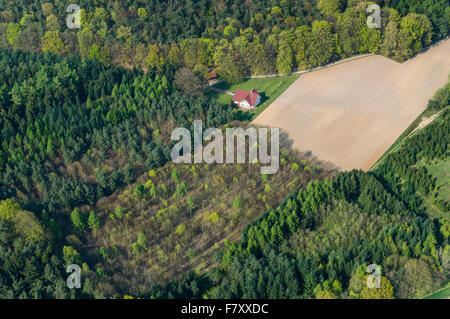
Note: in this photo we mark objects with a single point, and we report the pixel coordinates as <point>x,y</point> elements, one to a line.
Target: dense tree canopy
<point>78,130</point>
<point>318,243</point>
<point>237,37</point>
<point>29,266</point>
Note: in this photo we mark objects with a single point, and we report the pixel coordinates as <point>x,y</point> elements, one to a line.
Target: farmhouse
<point>212,74</point>
<point>247,100</point>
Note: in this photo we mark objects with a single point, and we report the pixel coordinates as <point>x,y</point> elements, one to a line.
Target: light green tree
<point>93,220</point>
<point>229,31</point>
<point>175,177</point>
<point>47,9</point>
<point>154,58</point>
<point>77,219</point>
<point>26,19</point>
<point>330,7</point>
<point>52,23</point>
<point>12,32</point>
<point>71,256</point>
<point>153,191</point>
<point>142,241</point>
<point>386,290</point>
<point>419,30</point>
<point>190,203</point>
<point>51,42</point>
<point>285,59</point>
<point>119,213</point>
<point>237,203</point>
<point>142,13</point>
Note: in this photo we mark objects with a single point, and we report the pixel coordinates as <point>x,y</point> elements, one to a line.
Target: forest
<point>95,130</point>
<point>86,177</point>
<point>318,242</point>
<point>235,38</point>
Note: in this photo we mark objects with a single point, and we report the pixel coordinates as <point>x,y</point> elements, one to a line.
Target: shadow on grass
<point>242,115</point>
<point>264,97</point>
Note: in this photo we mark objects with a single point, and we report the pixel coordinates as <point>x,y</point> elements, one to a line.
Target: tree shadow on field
<point>326,165</point>
<point>287,143</point>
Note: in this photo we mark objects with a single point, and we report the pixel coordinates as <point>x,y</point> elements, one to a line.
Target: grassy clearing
<point>268,88</point>
<point>443,293</point>
<point>426,114</point>
<point>440,169</point>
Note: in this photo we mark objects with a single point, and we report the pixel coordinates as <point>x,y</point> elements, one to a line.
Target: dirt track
<point>350,114</point>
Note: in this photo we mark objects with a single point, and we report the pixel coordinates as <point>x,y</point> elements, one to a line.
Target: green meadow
<point>443,293</point>
<point>268,88</point>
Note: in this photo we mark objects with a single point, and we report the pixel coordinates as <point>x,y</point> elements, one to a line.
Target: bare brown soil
<point>350,114</point>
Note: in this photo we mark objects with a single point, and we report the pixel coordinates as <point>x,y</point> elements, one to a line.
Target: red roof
<point>250,97</point>
<point>212,75</point>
